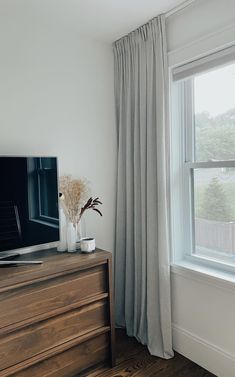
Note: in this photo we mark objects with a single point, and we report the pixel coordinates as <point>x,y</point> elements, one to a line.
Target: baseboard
<point>206,354</point>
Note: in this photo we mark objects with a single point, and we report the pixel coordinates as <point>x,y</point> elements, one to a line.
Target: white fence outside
<point>215,235</point>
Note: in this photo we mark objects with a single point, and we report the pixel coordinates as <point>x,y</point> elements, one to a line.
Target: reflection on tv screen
<point>28,201</point>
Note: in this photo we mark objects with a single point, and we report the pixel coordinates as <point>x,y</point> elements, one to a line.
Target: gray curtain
<point>142,275</point>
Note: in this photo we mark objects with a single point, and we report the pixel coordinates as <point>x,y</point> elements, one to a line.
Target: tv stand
<point>56,318</point>
<point>18,262</point>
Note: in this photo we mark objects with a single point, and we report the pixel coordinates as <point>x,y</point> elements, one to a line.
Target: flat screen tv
<point>28,202</point>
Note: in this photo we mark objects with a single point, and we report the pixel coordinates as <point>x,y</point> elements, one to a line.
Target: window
<point>203,160</point>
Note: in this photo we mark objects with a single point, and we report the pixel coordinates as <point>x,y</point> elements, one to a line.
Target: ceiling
<point>105,20</point>
<point>111,19</point>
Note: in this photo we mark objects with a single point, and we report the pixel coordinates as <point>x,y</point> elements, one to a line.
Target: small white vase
<point>71,237</point>
<point>62,245</point>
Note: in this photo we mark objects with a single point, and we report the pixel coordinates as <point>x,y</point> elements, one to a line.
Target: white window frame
<point>182,166</point>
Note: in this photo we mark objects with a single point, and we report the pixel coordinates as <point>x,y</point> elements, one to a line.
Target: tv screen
<point>28,202</point>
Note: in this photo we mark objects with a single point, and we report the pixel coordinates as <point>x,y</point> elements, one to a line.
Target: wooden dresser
<point>56,319</point>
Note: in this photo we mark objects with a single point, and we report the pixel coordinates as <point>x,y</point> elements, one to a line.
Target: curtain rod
<point>179,7</point>
<point>174,10</point>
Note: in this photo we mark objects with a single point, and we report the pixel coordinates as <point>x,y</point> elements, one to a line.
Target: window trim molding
<point>202,274</point>
<point>181,215</point>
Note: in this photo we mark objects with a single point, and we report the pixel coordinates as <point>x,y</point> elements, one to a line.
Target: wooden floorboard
<point>134,360</point>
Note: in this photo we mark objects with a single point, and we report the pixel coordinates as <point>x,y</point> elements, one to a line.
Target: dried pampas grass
<point>73,195</point>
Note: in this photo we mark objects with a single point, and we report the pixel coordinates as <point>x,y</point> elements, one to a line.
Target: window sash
<point>211,164</point>
<point>190,253</point>
<point>189,211</point>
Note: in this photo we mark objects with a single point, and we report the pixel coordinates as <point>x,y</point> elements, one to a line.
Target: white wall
<point>56,98</point>
<point>203,312</point>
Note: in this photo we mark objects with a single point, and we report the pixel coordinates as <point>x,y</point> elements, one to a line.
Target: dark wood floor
<point>133,359</point>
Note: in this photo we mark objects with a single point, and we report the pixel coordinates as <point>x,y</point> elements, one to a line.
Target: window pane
<point>214,103</point>
<point>214,206</point>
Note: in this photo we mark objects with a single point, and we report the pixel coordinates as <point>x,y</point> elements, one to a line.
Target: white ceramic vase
<point>62,245</point>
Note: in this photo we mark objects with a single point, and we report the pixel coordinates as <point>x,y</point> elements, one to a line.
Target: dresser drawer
<point>48,296</point>
<point>35,339</point>
<point>72,362</point>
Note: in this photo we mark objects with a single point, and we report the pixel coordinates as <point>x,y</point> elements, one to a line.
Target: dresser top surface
<point>54,264</point>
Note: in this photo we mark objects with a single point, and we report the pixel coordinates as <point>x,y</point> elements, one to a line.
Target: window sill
<point>192,271</point>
